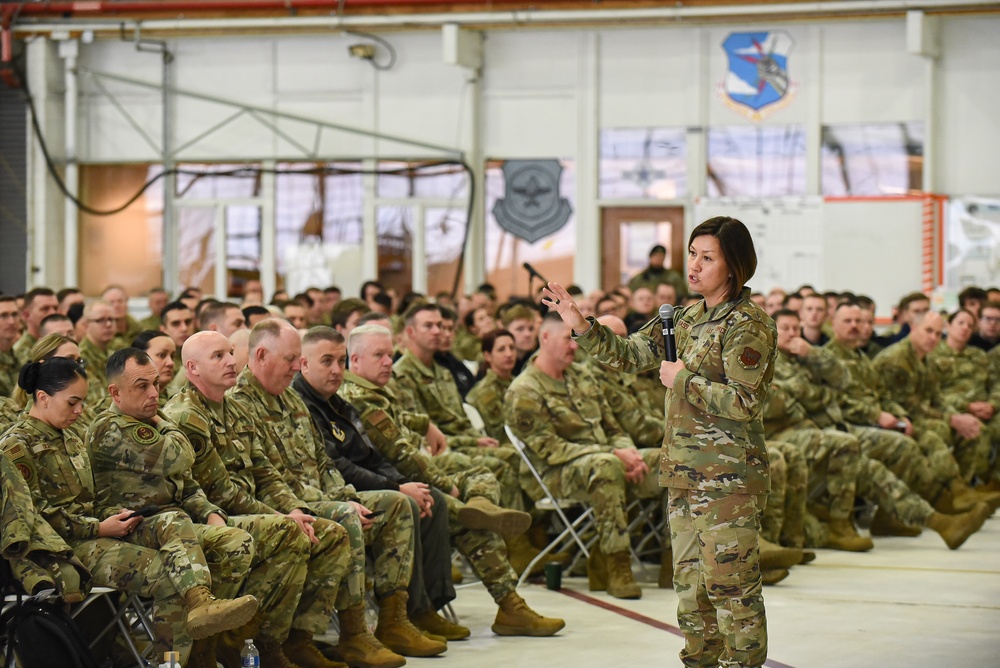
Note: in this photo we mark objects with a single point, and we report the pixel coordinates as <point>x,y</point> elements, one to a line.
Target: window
<point>756,161</point>
<point>643,163</point>
<point>873,159</point>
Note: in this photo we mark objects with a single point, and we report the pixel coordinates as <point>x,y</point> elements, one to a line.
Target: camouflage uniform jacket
<point>561,420</point>
<point>150,322</point>
<point>644,426</point>
<point>863,397</point>
<point>715,432</point>
<point>387,428</point>
<point>22,348</point>
<point>137,464</point>
<point>466,346</point>
<point>486,396</point>
<point>124,339</point>
<point>229,463</point>
<point>9,370</point>
<point>912,382</point>
<point>291,441</point>
<point>651,277</point>
<point>814,383</point>
<point>56,466</point>
<point>965,377</point>
<point>96,361</point>
<point>435,391</point>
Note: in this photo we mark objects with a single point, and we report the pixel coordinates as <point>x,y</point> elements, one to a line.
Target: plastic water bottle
<point>171,660</point>
<point>249,657</point>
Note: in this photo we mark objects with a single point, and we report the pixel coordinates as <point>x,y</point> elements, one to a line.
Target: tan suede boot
<point>480,513</point>
<point>396,632</point>
<point>774,556</point>
<point>432,622</point>
<point>202,653</point>
<point>273,656</point>
<point>300,649</point>
<point>884,524</point>
<point>520,552</point>
<point>597,569</point>
<point>515,618</point>
<point>666,579</point>
<point>208,615</point>
<point>358,647</point>
<point>621,582</point>
<point>958,498</point>
<point>843,536</point>
<point>956,529</point>
<point>230,644</point>
<point>773,576</point>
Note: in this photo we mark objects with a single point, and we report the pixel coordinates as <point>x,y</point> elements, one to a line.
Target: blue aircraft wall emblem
<point>757,75</point>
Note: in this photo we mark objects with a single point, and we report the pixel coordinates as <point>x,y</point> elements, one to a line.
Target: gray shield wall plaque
<point>532,208</point>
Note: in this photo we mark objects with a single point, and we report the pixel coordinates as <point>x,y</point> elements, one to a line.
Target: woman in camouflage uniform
<point>714,460</point>
<point>160,348</point>
<point>499,356</point>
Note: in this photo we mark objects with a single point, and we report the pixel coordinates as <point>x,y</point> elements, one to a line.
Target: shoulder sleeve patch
<point>145,435</point>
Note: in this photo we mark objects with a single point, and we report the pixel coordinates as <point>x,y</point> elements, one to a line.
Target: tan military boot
<point>230,644</point>
<point>520,552</point>
<point>208,615</point>
<point>843,536</point>
<point>956,529</point>
<point>480,513</point>
<point>432,622</point>
<point>396,632</point>
<point>358,647</point>
<point>773,576</point>
<point>958,498</point>
<point>515,618</point>
<point>456,575</point>
<point>301,650</point>
<point>666,579</point>
<point>273,656</point>
<point>621,582</point>
<point>597,569</point>
<point>202,653</point>
<point>775,556</point>
<point>989,497</point>
<point>884,524</point>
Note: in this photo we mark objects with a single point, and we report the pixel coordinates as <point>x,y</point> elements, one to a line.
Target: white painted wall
<point>546,92</point>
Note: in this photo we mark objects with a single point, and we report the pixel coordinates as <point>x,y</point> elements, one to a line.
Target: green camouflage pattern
<point>486,396</point>
<point>238,476</point>
<point>570,435</point>
<point>783,521</point>
<point>296,447</point>
<point>432,391</point>
<point>466,346</point>
<point>9,370</point>
<point>385,424</point>
<point>22,348</point>
<point>863,397</point>
<point>643,424</point>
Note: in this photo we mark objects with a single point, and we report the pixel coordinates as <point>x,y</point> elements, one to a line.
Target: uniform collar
<point>548,383</point>
<point>249,381</point>
<point>414,361</point>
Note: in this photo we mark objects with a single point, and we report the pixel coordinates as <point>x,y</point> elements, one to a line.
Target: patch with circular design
<point>198,443</point>
<point>749,358</point>
<point>26,472</point>
<point>145,435</point>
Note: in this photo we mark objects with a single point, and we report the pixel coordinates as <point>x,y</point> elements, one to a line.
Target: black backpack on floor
<point>43,635</point>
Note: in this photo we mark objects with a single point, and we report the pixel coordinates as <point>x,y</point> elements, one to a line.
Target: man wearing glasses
<point>94,351</point>
<point>989,327</point>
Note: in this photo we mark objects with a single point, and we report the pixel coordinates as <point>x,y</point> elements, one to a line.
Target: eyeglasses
<point>8,316</point>
<point>104,321</point>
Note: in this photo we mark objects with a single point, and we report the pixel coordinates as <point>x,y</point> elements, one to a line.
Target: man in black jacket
<point>324,358</point>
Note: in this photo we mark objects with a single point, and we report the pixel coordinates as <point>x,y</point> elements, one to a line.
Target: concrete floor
<point>909,602</point>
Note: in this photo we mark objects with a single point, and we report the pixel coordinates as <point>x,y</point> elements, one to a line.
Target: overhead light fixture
<point>363,51</point>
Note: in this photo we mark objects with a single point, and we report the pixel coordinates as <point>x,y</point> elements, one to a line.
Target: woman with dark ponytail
<point>54,462</point>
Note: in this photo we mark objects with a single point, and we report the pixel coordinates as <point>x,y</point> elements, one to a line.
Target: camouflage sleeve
<point>103,440</point>
<point>270,487</point>
<point>195,501</point>
<point>532,422</point>
<point>826,368</point>
<point>403,449</point>
<point>639,352</point>
<point>896,382</point>
<point>748,352</point>
<point>993,384</point>
<point>40,470</point>
<point>645,430</point>
<point>490,407</point>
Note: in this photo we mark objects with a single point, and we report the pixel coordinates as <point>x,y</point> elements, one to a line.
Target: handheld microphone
<point>669,344</point>
<point>534,274</point>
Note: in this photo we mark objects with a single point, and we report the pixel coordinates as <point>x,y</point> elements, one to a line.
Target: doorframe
<point>612,218</point>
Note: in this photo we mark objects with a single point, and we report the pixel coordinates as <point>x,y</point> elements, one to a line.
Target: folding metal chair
<point>130,616</point>
<point>571,530</point>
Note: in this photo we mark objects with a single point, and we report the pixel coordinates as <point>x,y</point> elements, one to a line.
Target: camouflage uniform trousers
<point>971,454</point>
<point>832,457</point>
<point>599,479</point>
<point>485,552</point>
<point>471,480</point>
<point>165,556</point>
<point>277,572</point>
<point>720,606</point>
<point>390,538</point>
<point>906,458</point>
<point>878,484</point>
<point>784,518</point>
<point>329,561</point>
<point>938,443</point>
<point>503,461</point>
